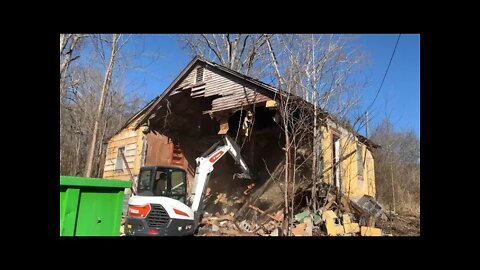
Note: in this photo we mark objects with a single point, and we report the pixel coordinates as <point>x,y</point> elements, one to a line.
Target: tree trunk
<point>315,153</point>
<point>100,151</point>
<point>292,193</point>
<point>63,42</point>
<point>393,186</point>
<point>287,172</point>
<point>101,106</point>
<point>77,156</point>
<point>275,64</point>
<point>64,38</point>
<point>287,161</point>
<point>68,55</point>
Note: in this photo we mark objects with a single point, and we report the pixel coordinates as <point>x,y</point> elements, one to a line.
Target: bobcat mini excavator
<point>161,207</point>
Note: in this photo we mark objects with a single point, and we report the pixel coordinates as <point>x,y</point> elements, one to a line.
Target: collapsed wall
<point>181,121</point>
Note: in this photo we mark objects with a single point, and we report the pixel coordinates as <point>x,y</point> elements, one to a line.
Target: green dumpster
<point>91,206</point>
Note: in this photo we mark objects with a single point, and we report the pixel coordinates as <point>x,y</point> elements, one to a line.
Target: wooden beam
<point>133,188</point>
<point>263,212</point>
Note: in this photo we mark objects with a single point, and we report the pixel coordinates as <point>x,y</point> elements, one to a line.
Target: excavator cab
<point>160,207</point>
<point>163,181</point>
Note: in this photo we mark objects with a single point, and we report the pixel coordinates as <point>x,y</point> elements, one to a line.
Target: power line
<point>385,75</point>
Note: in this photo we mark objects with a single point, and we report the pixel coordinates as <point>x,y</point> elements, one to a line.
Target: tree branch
<point>219,57</point>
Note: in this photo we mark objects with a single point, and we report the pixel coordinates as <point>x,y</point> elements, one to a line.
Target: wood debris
<point>337,215</point>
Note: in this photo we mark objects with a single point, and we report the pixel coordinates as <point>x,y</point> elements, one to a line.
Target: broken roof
<point>154,104</point>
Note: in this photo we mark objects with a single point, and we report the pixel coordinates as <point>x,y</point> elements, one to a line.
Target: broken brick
<point>244,225</point>
<point>299,230</point>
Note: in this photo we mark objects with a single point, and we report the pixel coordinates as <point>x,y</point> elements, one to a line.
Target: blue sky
<point>399,97</point>
<point>400,93</point>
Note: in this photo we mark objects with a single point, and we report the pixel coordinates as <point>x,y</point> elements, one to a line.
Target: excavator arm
<point>205,166</point>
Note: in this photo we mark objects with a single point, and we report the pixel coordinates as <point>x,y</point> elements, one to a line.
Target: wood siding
<point>158,150</point>
<point>133,141</point>
<point>352,185</point>
<point>230,91</point>
<point>161,151</point>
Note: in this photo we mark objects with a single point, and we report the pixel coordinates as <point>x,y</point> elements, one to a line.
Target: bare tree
<point>79,110</point>
<point>315,68</point>
<point>68,44</point>
<point>397,168</point>
<point>240,52</point>
<point>69,41</point>
<point>101,106</point>
<point>81,96</point>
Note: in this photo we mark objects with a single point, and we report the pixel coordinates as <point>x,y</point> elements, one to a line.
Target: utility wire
<point>385,75</point>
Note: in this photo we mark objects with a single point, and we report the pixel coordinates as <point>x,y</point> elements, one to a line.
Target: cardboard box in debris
<point>337,216</point>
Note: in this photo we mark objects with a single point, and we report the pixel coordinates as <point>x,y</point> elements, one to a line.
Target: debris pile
<point>122,228</point>
<point>336,215</point>
<point>226,225</point>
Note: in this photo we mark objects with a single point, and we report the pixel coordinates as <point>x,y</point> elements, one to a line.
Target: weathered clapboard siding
<point>232,93</point>
<point>132,140</point>
<point>237,99</point>
<point>190,79</point>
<point>185,83</point>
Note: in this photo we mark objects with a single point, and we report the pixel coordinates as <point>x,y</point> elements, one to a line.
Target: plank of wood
<point>134,186</point>
<point>330,202</point>
<point>345,203</point>
<point>263,212</point>
<point>371,221</point>
<point>252,199</point>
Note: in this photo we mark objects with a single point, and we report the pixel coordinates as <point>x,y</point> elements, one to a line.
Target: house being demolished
<point>207,100</point>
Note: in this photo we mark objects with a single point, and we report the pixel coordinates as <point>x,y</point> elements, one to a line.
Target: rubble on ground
<point>122,228</point>
<point>393,223</point>
<point>336,215</point>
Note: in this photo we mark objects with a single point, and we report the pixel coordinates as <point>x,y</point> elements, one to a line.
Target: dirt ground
<point>400,225</point>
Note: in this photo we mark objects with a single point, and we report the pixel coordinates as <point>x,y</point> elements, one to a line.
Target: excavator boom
<point>205,166</point>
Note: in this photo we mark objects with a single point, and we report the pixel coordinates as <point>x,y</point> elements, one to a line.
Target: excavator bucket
<point>223,126</point>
